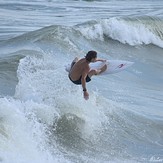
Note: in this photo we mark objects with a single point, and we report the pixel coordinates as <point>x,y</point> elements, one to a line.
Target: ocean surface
<point>44,117</point>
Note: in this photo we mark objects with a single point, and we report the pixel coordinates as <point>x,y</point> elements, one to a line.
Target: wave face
<point>43,116</point>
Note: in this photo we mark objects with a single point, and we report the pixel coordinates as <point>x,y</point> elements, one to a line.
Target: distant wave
<point>133,31</point>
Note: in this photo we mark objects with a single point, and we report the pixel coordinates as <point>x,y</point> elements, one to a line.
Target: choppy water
<point>43,116</point>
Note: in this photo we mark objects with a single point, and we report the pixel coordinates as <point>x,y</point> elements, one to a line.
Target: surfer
<point>80,72</point>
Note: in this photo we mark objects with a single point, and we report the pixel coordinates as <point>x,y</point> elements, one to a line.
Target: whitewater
<point>43,115</point>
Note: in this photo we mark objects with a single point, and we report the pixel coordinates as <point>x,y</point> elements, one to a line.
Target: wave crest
<point>136,31</point>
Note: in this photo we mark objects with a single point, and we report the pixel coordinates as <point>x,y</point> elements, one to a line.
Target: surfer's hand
<point>86,95</point>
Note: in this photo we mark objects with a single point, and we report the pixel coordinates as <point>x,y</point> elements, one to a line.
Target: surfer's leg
<point>91,73</point>
<point>97,72</point>
<point>102,69</point>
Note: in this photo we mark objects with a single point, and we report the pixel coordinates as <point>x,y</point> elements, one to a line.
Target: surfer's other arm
<point>83,82</point>
<point>102,60</point>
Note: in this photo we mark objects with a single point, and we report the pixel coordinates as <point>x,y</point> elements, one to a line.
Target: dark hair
<point>90,55</point>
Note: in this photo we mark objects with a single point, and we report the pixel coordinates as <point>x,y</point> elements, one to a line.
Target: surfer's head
<point>91,55</point>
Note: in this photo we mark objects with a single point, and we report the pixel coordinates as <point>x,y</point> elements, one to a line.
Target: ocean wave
<point>45,118</point>
<point>132,31</point>
<point>32,129</point>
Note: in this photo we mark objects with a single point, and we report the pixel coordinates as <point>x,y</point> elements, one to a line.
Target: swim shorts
<point>78,82</point>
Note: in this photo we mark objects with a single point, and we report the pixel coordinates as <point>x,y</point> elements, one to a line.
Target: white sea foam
<point>22,137</point>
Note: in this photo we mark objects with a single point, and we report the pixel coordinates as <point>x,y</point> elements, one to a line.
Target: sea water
<point>44,117</point>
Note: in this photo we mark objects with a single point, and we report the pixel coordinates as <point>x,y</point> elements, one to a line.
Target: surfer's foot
<point>74,61</point>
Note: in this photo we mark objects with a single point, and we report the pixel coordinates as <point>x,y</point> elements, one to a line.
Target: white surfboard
<point>113,66</point>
